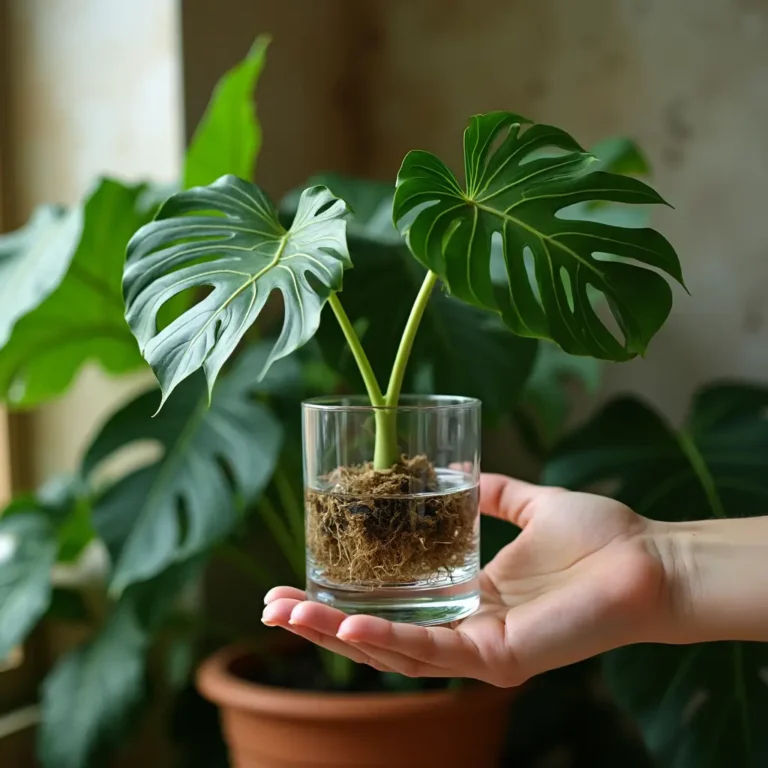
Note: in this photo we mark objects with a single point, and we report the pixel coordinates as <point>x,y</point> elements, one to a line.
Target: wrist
<point>716,577</point>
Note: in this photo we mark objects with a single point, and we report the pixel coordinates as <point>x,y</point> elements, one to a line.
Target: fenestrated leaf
<point>214,459</point>
<point>234,243</point>
<point>33,261</point>
<point>516,198</point>
<point>82,320</point>
<point>228,137</point>
<point>93,695</point>
<point>459,350</point>
<point>699,706</point>
<point>27,554</point>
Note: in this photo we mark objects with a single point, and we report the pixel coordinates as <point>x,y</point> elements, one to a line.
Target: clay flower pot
<point>270,727</point>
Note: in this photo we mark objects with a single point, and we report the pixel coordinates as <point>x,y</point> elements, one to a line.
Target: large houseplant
<point>391,502</point>
<point>227,471</point>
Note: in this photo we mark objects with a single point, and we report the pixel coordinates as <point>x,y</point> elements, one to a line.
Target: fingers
<point>317,626</point>
<point>321,625</point>
<point>510,499</point>
<point>427,651</point>
<point>279,592</point>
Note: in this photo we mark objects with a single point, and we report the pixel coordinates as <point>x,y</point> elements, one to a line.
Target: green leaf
<point>243,256</point>
<point>517,199</point>
<point>698,706</point>
<point>27,554</point>
<point>82,320</point>
<point>33,261</point>
<point>91,698</point>
<point>459,350</point>
<point>618,154</point>
<point>213,458</point>
<point>546,395</point>
<point>228,137</point>
<point>92,695</point>
<point>65,500</point>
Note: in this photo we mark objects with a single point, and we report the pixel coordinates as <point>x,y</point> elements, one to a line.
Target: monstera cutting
<point>386,508</point>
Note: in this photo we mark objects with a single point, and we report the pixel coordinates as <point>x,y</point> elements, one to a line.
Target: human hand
<point>585,575</point>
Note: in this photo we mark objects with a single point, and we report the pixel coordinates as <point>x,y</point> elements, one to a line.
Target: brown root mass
<point>369,529</point>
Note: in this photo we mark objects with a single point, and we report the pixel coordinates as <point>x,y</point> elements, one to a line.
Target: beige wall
<point>95,88</point>
<point>355,88</point>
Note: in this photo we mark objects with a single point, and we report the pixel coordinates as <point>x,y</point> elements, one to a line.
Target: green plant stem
<point>282,535</point>
<point>363,364</point>
<point>291,505</point>
<point>408,337</point>
<point>385,413</point>
<point>386,450</point>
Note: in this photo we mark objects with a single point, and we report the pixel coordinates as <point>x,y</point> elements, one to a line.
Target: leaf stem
<point>363,364</point>
<point>290,503</point>
<point>282,535</point>
<point>406,342</point>
<point>701,470</point>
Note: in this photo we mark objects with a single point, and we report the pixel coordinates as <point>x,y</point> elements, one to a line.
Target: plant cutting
<point>391,483</point>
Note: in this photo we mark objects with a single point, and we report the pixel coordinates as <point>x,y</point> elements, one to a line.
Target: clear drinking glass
<point>400,542</point>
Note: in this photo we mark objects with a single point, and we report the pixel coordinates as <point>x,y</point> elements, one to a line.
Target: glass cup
<point>391,506</point>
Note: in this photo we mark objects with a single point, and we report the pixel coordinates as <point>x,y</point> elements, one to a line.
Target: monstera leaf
<point>227,236</point>
<point>33,261</point>
<point>228,137</point>
<point>518,185</point>
<point>27,554</point>
<point>698,706</point>
<point>458,350</point>
<point>79,316</point>
<point>213,459</point>
<point>92,696</point>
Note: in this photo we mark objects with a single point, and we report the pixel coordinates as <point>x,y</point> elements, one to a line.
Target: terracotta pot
<point>269,727</point>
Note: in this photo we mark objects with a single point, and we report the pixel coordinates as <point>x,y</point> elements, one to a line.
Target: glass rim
<point>337,403</point>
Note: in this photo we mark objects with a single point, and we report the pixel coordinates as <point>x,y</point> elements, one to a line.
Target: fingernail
<point>268,623</point>
<point>346,638</point>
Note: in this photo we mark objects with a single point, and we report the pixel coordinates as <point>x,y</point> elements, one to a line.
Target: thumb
<point>510,499</point>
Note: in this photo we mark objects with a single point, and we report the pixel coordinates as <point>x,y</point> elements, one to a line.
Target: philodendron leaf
<point>228,137</point>
<point>519,181</point>
<point>227,236</point>
<point>82,320</point>
<point>92,696</point>
<point>27,554</point>
<point>705,705</point>
<point>213,459</point>
<point>459,350</point>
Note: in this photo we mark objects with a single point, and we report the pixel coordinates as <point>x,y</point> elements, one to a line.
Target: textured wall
<point>688,80</point>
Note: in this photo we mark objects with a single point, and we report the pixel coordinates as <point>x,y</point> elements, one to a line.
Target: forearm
<point>718,579</point>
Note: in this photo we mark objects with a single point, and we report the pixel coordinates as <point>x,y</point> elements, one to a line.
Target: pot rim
<point>406,403</point>
<point>218,684</point>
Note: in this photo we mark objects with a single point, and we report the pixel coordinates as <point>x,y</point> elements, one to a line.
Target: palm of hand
<point>578,580</point>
